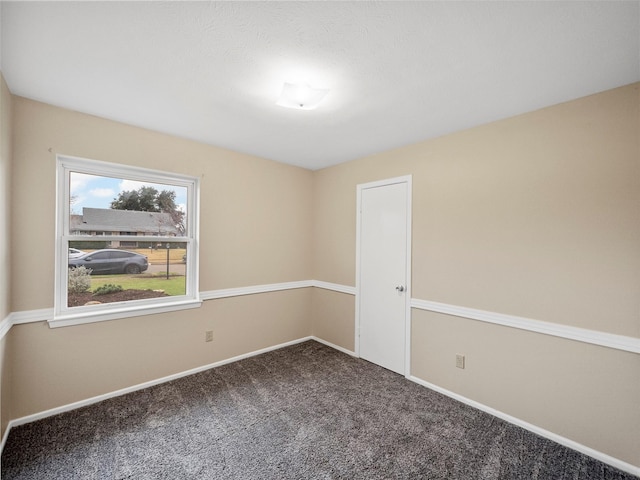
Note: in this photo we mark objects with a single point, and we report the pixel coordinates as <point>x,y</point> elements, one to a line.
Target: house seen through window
<point>126,240</point>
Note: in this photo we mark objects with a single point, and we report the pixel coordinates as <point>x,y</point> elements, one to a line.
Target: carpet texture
<point>302,412</point>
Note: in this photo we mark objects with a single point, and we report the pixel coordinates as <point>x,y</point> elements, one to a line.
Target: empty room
<point>320,240</point>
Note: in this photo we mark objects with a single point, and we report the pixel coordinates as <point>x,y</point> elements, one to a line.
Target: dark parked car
<point>107,261</point>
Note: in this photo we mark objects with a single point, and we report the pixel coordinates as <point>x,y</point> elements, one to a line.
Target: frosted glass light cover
<point>301,96</point>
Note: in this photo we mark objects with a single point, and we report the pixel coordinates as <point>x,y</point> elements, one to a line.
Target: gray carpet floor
<point>302,412</point>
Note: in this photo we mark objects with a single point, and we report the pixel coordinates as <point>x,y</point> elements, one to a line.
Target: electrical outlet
<point>459,361</point>
<point>208,336</point>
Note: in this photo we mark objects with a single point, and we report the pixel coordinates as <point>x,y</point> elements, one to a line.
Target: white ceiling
<point>398,72</point>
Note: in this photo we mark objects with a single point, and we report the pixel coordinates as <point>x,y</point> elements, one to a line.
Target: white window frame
<point>64,315</point>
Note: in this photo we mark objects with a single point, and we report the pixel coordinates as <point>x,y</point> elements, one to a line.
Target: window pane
<point>101,205</point>
<point>99,273</point>
<point>124,235</point>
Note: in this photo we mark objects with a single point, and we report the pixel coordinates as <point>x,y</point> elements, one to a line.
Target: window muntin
<point>151,254</point>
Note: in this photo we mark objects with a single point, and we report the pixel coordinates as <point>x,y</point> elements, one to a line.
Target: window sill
<point>120,311</point>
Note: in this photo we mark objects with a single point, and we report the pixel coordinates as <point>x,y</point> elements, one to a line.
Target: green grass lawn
<point>175,285</point>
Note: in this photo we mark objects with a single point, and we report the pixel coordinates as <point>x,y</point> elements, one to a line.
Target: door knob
<point>400,288</point>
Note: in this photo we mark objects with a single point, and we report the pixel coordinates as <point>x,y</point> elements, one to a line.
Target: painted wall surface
<point>535,216</point>
<point>55,367</point>
<point>255,214</point>
<point>332,316</point>
<point>5,250</point>
<point>5,189</point>
<point>255,229</point>
<point>5,378</point>
<point>583,392</point>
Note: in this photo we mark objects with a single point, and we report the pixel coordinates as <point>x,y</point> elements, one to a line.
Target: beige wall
<point>5,379</point>
<point>255,229</point>
<point>583,392</point>
<point>5,228</point>
<point>534,216</point>
<point>332,315</point>
<point>255,214</point>
<point>5,187</point>
<point>55,367</point>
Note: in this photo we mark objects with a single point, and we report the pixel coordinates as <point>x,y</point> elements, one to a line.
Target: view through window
<point>126,237</point>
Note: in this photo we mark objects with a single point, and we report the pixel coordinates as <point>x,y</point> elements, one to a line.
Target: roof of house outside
<point>110,220</point>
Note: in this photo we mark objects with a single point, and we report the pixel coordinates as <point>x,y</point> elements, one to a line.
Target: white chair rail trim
<point>603,339</point>
<point>251,290</point>
<point>274,287</point>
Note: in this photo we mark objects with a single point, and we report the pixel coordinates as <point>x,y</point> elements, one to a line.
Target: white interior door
<point>383,273</point>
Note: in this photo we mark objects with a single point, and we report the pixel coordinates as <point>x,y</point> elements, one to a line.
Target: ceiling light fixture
<point>301,96</point>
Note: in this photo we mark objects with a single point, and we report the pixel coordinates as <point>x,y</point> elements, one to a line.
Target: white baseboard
<point>98,398</point>
<point>334,346</point>
<point>4,441</point>
<point>603,457</point>
<point>621,465</point>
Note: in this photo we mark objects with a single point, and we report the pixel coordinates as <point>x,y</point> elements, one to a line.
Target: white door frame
<point>407,317</point>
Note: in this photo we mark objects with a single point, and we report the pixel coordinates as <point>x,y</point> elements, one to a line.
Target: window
<point>126,241</point>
